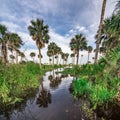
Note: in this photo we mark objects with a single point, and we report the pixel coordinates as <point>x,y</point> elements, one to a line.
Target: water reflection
<point>53,95</point>
<point>55,80</point>
<point>44,97</point>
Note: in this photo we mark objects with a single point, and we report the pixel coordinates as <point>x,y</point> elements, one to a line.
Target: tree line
<point>107,37</point>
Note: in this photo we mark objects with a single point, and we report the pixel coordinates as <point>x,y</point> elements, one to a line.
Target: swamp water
<point>52,101</point>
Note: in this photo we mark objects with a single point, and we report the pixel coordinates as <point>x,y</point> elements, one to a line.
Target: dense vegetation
<point>97,83</point>
<point>18,81</point>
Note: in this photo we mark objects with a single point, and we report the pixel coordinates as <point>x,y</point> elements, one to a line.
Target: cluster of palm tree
<point>64,57</point>
<point>77,44</point>
<point>12,42</point>
<point>54,52</point>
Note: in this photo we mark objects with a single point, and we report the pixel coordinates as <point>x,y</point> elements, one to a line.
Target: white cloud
<point>11,26</point>
<point>84,21</point>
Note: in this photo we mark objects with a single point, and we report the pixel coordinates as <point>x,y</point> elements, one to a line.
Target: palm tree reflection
<point>44,97</point>
<point>54,80</point>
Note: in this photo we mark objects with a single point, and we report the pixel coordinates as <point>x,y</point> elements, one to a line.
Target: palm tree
<point>81,59</point>
<point>56,57</point>
<point>66,57</point>
<point>117,7</point>
<point>58,51</point>
<point>14,44</point>
<point>111,32</point>
<point>78,43</point>
<point>22,55</point>
<point>3,42</point>
<point>39,33</point>
<point>63,57</point>
<point>102,50</point>
<point>12,58</point>
<point>49,54</point>
<point>52,49</point>
<point>89,49</point>
<point>100,30</point>
<point>32,55</point>
<point>73,58</point>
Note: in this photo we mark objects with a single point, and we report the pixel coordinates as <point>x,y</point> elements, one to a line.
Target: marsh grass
<point>16,80</point>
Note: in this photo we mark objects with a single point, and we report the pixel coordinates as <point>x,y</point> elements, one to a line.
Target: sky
<point>65,19</point>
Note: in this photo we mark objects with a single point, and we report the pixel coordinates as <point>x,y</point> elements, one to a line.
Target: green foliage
<point>81,87</point>
<point>98,82</point>
<point>16,80</point>
<point>101,94</point>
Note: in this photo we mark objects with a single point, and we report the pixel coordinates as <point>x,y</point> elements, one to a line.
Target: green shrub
<point>82,87</point>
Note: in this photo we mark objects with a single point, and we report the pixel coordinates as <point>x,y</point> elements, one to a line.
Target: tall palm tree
<point>39,32</point>
<point>3,42</point>
<point>78,43</point>
<point>111,32</point>
<point>89,49</point>
<point>100,30</point>
<point>32,55</point>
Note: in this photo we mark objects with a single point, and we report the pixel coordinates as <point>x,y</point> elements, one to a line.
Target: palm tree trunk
<point>88,56</point>
<point>49,62</point>
<point>63,61</point>
<point>81,60</point>
<point>100,29</point>
<point>53,59</point>
<point>4,53</point>
<point>57,59</point>
<point>74,60</point>
<point>16,57</point>
<point>40,58</point>
<point>77,57</point>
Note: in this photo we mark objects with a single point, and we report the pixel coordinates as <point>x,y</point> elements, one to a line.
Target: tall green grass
<point>16,81</point>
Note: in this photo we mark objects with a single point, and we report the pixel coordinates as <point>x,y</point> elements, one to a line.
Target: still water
<point>53,101</point>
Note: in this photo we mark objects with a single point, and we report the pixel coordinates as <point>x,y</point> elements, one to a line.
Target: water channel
<point>52,101</point>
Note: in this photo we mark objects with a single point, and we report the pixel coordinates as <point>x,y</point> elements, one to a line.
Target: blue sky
<point>64,17</point>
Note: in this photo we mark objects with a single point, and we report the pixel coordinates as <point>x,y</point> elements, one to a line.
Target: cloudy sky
<point>64,17</point>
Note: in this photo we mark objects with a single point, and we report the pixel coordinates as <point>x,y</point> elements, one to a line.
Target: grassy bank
<point>17,81</point>
<point>98,83</point>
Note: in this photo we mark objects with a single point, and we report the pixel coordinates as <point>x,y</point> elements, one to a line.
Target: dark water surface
<point>53,101</point>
